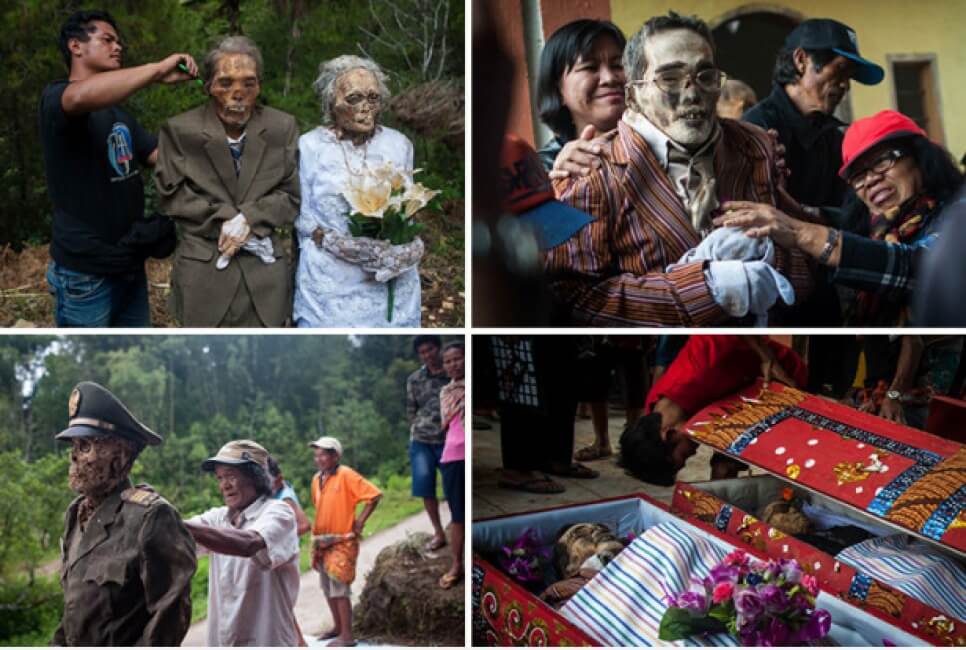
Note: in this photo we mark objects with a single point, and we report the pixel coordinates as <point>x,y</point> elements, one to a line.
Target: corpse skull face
<point>686,115</point>
<point>357,102</point>
<point>234,88</point>
<point>97,465</point>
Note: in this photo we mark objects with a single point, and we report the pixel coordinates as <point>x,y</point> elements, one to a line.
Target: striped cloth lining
<point>624,603</point>
<point>914,568</point>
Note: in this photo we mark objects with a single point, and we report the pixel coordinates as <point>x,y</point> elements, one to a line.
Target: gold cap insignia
<point>73,403</point>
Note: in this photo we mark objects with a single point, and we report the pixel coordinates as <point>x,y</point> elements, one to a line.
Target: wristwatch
<point>894,395</point>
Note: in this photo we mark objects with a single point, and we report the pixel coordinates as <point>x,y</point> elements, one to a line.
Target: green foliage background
<point>294,36</point>
<point>198,392</point>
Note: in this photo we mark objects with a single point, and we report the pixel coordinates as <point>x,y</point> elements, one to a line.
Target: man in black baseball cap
<point>812,73</point>
<point>128,536</point>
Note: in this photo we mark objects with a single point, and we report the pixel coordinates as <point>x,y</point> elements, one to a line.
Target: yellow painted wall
<point>936,27</point>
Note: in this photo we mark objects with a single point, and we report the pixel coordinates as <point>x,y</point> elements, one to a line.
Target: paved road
<point>311,610</point>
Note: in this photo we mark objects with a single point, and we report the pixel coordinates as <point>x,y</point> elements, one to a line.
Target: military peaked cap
<point>94,411</point>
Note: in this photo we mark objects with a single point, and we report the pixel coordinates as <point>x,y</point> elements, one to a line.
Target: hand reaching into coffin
<point>770,367</point>
<point>891,409</point>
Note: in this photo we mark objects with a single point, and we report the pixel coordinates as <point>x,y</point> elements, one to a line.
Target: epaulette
<point>142,494</point>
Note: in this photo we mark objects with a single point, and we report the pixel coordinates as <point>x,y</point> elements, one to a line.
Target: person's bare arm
<point>910,354</point>
<point>770,368</point>
<point>113,87</point>
<point>227,541</point>
<point>303,525</point>
<point>360,521</point>
<point>763,220</point>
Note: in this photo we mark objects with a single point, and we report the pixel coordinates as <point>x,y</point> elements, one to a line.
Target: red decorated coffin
<point>717,505</point>
<point>506,613</point>
<point>903,477</point>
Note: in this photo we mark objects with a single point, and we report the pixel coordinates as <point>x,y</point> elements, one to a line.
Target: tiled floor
<point>490,500</point>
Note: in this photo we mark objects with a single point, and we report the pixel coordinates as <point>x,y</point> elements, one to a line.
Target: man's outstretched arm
<point>227,541</point>
<point>113,87</point>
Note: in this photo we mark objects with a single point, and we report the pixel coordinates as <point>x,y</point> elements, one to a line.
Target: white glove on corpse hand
<point>236,235</point>
<point>743,287</point>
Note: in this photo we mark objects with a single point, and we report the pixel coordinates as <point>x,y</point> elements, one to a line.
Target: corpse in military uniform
<point>126,557</point>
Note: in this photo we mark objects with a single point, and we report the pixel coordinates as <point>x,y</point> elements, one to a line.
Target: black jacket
<point>813,148</point>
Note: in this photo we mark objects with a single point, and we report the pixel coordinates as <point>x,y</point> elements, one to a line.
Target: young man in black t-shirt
<point>93,151</point>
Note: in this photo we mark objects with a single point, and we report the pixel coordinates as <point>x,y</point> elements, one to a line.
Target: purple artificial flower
<point>696,603</point>
<point>748,603</point>
<point>725,573</point>
<point>775,633</point>
<point>772,570</point>
<point>791,571</point>
<point>773,598</point>
<point>817,626</point>
<point>750,636</point>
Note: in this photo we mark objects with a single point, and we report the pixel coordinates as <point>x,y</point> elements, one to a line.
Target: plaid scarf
<point>900,225</point>
<point>451,400</point>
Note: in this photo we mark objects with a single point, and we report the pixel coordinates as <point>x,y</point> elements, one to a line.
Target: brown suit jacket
<point>612,272</point>
<point>198,188</point>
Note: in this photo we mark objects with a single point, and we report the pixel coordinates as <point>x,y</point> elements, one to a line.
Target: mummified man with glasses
<point>650,256</point>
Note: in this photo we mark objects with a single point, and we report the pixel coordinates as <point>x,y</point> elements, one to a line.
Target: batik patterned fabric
<point>624,604</point>
<point>905,476</point>
<point>914,568</point>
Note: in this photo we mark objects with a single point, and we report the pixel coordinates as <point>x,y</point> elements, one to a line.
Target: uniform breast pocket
<point>104,583</point>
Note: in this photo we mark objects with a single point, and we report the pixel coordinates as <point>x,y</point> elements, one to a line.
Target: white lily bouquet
<point>383,203</point>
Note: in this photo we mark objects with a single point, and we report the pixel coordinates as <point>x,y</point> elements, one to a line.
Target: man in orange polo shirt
<point>336,492</point>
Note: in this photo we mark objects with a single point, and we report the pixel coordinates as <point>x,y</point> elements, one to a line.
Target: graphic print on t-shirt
<point>120,152</point>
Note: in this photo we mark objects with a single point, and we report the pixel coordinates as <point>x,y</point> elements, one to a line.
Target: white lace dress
<point>330,292</point>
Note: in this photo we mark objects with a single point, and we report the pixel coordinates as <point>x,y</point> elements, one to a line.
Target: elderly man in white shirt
<point>253,577</point>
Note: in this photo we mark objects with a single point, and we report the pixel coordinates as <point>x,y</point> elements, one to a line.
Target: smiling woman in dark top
<point>580,84</point>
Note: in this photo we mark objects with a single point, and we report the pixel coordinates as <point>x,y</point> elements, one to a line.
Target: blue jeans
<point>86,300</point>
<point>424,459</point>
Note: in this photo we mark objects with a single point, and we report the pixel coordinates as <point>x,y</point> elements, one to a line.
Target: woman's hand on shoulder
<point>578,157</point>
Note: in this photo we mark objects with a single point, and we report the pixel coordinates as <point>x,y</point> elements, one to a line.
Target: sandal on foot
<point>447,580</point>
<point>435,543</point>
<point>537,485</point>
<point>592,452</point>
<point>329,635</point>
<point>574,470</point>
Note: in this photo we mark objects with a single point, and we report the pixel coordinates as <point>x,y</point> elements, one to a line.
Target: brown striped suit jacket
<point>612,271</point>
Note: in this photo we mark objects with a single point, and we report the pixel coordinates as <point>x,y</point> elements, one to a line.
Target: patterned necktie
<point>236,149</point>
<point>698,182</point>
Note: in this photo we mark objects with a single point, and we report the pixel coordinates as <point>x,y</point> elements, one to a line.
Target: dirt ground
<point>25,300</point>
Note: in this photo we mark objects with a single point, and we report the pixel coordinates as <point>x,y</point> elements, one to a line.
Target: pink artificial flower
<point>736,558</point>
<point>722,592</point>
<point>810,583</point>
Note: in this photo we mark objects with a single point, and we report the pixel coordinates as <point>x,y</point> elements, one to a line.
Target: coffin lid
<point>907,479</point>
